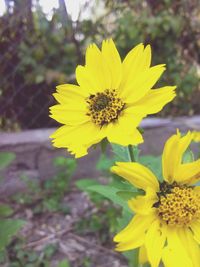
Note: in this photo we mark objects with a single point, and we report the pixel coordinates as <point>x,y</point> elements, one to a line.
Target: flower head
<point>110,100</point>
<point>166,224</point>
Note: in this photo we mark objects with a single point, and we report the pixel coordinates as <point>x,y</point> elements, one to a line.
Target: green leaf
<point>188,156</point>
<point>104,143</point>
<point>83,184</point>
<point>136,152</point>
<point>5,210</point>
<point>69,164</point>
<point>59,161</point>
<point>8,228</point>
<point>110,193</point>
<point>6,158</point>
<point>153,163</point>
<point>122,184</point>
<point>126,195</point>
<point>63,263</point>
<point>132,257</point>
<point>124,220</point>
<point>120,152</point>
<point>104,163</point>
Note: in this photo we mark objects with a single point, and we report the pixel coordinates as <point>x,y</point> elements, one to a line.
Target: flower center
<point>104,107</point>
<point>178,204</point>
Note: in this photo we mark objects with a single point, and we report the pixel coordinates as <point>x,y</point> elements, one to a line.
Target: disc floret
<point>104,107</point>
<point>178,205</point>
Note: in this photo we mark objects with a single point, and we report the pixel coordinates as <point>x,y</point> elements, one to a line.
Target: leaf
<point>153,163</point>
<point>63,263</point>
<point>126,195</point>
<point>104,163</point>
<point>132,257</point>
<point>121,184</point>
<point>6,158</point>
<point>69,164</point>
<point>124,220</point>
<point>8,228</point>
<point>120,152</point>
<point>83,184</point>
<point>188,156</point>
<point>5,210</point>
<point>110,193</point>
<point>104,143</point>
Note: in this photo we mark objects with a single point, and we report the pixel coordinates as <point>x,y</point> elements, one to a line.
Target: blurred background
<point>41,43</point>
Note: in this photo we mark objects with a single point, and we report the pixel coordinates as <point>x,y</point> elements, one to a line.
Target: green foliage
<point>120,152</point>
<point>19,256</point>
<point>45,51</point>
<point>84,184</point>
<point>48,194</point>
<point>43,196</point>
<point>154,164</point>
<point>5,210</point>
<point>104,163</point>
<point>188,156</point>
<point>110,193</point>
<point>8,228</point>
<point>6,158</point>
<point>64,263</point>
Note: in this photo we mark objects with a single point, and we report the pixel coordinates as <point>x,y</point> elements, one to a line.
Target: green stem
<point>130,153</point>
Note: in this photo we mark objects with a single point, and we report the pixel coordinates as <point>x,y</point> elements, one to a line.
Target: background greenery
<point>39,52</point>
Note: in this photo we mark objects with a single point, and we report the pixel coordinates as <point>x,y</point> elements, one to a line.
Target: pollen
<point>178,205</point>
<point>104,107</point>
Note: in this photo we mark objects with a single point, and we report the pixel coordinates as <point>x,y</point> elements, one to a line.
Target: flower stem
<point>130,153</point>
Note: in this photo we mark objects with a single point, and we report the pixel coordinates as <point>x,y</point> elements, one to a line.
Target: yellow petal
<point>123,131</point>
<point>153,101</point>
<point>172,155</point>
<point>173,258</point>
<point>77,139</point>
<point>143,204</point>
<point>86,80</point>
<point>131,62</point>
<point>190,245</point>
<point>195,226</point>
<point>70,91</point>
<point>136,61</point>
<point>136,174</point>
<point>125,139</point>
<point>188,173</point>
<point>70,115</point>
<point>154,242</point>
<point>143,255</point>
<point>139,86</point>
<point>97,68</point>
<point>134,234</point>
<point>175,254</point>
<point>113,61</point>
<point>196,136</point>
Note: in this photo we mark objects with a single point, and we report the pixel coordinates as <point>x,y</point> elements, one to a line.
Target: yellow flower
<point>196,136</point>
<point>110,100</point>
<point>166,224</point>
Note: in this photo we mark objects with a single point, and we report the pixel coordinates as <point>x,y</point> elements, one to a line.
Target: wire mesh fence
<point>34,59</point>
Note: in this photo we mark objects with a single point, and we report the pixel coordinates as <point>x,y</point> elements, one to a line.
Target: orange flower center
<point>104,107</point>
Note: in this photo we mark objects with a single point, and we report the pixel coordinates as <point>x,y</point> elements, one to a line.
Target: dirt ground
<point>59,230</point>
